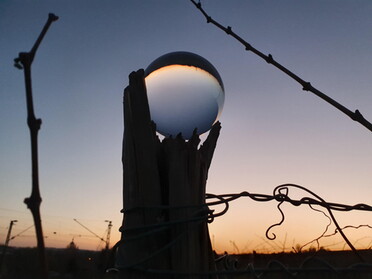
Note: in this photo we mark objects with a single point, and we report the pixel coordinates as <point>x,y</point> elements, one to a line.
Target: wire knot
<point>357,116</point>
<point>307,86</point>
<point>269,59</point>
<point>248,47</point>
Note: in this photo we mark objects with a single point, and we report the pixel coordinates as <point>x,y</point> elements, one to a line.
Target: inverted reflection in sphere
<point>185,92</point>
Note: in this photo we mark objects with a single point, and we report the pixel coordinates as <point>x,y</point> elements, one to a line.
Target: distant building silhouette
<point>72,245</point>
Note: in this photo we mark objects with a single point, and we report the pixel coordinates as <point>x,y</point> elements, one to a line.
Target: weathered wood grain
<point>164,225</point>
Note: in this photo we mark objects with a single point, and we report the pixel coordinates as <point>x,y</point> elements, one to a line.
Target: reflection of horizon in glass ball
<point>184,97</point>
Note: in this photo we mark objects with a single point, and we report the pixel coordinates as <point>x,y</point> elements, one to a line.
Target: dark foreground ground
<point>22,263</point>
<point>315,264</point>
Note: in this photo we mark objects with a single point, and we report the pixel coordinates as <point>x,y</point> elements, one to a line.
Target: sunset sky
<point>272,133</point>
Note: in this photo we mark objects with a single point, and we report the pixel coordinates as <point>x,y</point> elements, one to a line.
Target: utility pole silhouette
<point>6,243</point>
<point>109,226</point>
<point>107,241</point>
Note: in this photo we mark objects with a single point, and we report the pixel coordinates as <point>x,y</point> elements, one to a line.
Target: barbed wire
<point>285,198</point>
<point>281,194</point>
<point>203,214</point>
<point>306,86</point>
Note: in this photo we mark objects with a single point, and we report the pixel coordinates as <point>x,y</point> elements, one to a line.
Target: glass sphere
<point>185,92</point>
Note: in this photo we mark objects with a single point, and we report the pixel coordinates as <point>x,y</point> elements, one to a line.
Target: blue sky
<point>272,131</point>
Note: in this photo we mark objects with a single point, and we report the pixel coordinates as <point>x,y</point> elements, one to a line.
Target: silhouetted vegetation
<point>312,263</point>
<point>71,263</point>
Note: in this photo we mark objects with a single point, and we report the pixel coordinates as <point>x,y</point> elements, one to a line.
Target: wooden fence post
<point>164,231</point>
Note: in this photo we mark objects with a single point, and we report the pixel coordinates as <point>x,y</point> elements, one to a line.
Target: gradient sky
<point>272,131</point>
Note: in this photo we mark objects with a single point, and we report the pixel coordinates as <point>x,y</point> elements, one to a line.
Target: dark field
<point>22,263</point>
<point>315,264</point>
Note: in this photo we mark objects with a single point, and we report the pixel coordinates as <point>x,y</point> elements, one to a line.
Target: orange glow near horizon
<point>272,131</point>
<point>238,231</point>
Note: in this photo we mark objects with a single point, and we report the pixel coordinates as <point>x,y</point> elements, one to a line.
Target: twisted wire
<point>226,198</point>
<point>280,194</point>
<point>202,214</point>
<point>281,213</point>
<point>285,198</point>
